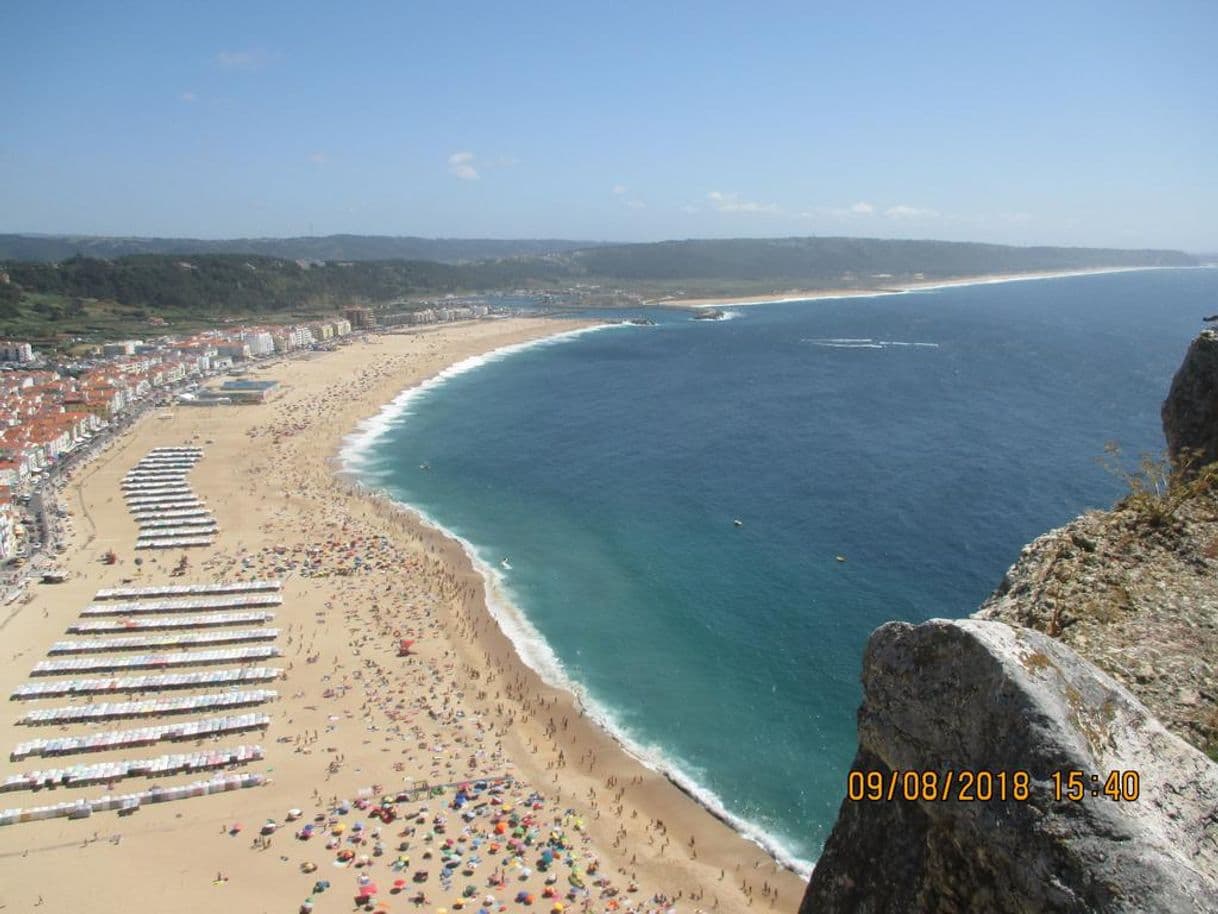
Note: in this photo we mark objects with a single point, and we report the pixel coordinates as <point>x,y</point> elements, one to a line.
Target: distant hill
<point>734,259</point>
<point>51,248</point>
<point>820,259</point>
<point>232,283</point>
<point>45,297</point>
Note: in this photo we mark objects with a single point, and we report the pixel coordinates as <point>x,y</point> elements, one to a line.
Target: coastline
<point>528,644</point>
<point>267,473</point>
<point>796,295</point>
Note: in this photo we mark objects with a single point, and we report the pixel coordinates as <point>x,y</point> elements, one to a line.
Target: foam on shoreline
<point>356,448</point>
<point>536,653</point>
<point>356,461</point>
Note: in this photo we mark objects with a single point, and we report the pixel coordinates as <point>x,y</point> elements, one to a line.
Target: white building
<point>8,531</point>
<point>122,347</point>
<point>16,352</point>
<point>260,343</point>
<point>233,350</point>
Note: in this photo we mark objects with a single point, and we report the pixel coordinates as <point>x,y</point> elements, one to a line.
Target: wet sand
<point>353,718</point>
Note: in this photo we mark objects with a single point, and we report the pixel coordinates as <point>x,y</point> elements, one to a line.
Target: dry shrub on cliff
<point>1159,487</point>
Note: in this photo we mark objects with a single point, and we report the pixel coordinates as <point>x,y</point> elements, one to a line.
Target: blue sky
<point>1029,122</point>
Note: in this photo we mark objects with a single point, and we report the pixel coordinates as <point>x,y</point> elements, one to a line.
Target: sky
<point>1025,122</point>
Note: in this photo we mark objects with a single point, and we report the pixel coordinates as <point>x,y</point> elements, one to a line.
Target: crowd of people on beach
<point>392,680</point>
<point>490,845</point>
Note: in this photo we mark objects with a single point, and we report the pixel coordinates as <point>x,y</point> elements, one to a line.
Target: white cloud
<point>901,211</point>
<point>619,189</point>
<point>731,203</point>
<point>863,208</point>
<point>460,166</point>
<point>188,97</point>
<point>250,59</point>
<point>636,204</point>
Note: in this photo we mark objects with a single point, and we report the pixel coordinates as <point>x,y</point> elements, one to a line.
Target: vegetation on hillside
<point>802,259</point>
<point>227,282</point>
<point>46,299</point>
<point>1160,487</point>
<point>50,248</point>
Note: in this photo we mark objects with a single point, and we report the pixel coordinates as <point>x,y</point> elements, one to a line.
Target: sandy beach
<point>574,821</point>
<point>895,288</point>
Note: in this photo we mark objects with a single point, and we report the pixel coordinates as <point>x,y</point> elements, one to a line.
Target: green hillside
<point>94,295</point>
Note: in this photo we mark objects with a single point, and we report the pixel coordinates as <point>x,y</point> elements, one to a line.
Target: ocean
<point>696,525</point>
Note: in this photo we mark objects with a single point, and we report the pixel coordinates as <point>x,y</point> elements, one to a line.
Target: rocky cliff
<point>1190,413</point>
<point>1135,589</point>
<point>977,696</point>
<point>1140,601</point>
<point>1097,653</point>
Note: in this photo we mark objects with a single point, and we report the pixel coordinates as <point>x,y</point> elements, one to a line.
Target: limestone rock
<point>1139,603</point>
<point>1190,413</point>
<point>979,695</point>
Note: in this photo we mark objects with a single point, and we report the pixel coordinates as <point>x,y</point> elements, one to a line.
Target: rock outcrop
<point>1098,653</point>
<point>1140,602</point>
<point>1190,413</point>
<point>984,696</point>
<point>1138,595</point>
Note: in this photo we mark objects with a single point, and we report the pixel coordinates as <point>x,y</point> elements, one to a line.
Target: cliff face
<point>983,696</point>
<point>1097,653</point>
<point>1139,602</point>
<point>1135,594</point>
<point>1190,413</point>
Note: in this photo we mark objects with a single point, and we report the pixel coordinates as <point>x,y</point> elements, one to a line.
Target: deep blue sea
<point>924,437</point>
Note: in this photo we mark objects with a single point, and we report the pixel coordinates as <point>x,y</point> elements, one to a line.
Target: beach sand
<point>884,288</point>
<point>353,719</point>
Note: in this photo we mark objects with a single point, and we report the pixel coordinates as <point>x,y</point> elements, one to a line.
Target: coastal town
<point>57,410</point>
<point>302,661</point>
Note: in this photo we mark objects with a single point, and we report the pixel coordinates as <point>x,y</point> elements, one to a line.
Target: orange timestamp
<point>1115,785</point>
<point>917,785</point>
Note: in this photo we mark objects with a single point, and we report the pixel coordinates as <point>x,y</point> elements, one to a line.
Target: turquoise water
<point>925,437</point>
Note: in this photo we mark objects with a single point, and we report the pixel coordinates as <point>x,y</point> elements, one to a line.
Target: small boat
<point>840,558</point>
<point>737,523</point>
<point>424,466</point>
<point>503,563</point>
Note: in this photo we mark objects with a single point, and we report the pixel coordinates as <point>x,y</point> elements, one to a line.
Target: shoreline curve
<point>528,643</point>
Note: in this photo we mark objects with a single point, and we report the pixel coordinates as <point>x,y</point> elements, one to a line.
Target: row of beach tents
<point>158,496</point>
<point>152,707</point>
<point>129,802</point>
<point>104,772</point>
<point>140,736</point>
